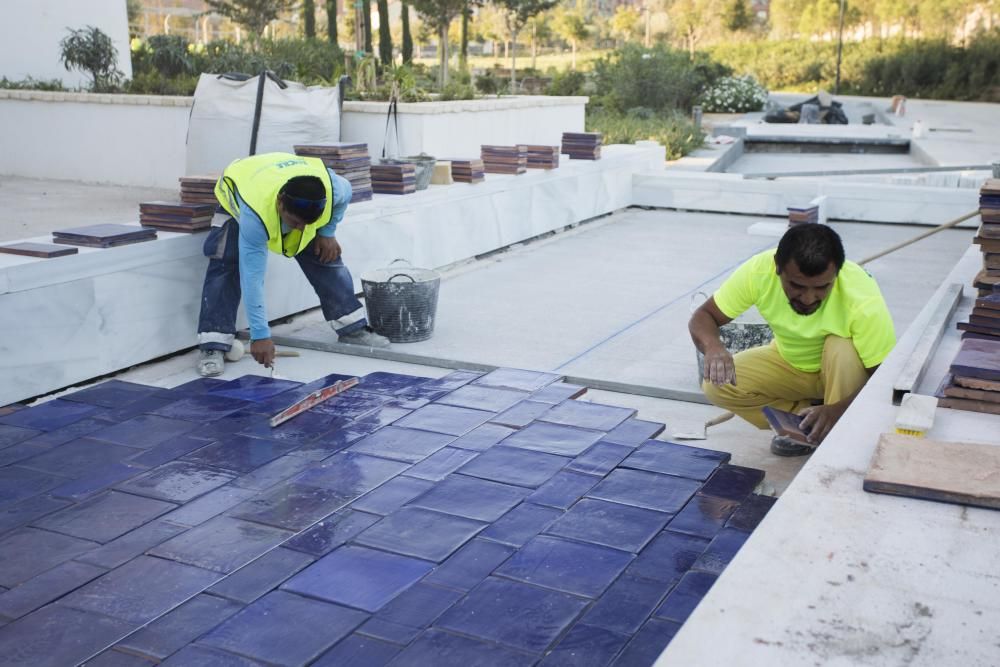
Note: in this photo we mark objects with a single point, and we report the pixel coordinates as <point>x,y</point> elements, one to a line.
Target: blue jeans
<point>220,296</point>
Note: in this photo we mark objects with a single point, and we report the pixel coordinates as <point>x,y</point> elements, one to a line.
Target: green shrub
<point>90,50</point>
<point>154,83</point>
<point>456,90</point>
<point>734,94</point>
<point>672,129</point>
<point>660,78</point>
<point>489,84</point>
<point>29,83</point>
<point>567,82</point>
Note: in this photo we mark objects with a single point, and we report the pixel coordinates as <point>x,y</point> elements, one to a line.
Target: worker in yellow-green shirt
<point>831,328</point>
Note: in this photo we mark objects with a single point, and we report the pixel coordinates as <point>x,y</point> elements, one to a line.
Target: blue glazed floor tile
<point>733,482</point>
<point>588,415</point>
<point>221,544</point>
<point>514,614</point>
<point>611,524</point>
<point>585,646</point>
<point>234,422</point>
<point>600,459</point>
<point>17,484</point>
<point>419,606</point>
<point>633,432</point>
<point>112,393</point>
<point>168,451</point>
<point>113,658</point>
<point>96,480</point>
<point>205,408</point>
<point>57,635</point>
<point>269,474</point>
<point>342,437</point>
<point>521,524</point>
<point>557,392</point>
<point>470,565</point>
<point>254,388</point>
<point>241,454</point>
<point>20,452</point>
<point>443,649</point>
<point>564,489</point>
<point>177,628</point>
<point>388,631</point>
<point>130,545</point>
<point>751,512</point>
<point>332,532</point>
<point>663,493</point>
<point>176,482</point>
<point>688,592</point>
<point>421,533</point>
<point>352,405</point>
<point>721,551</point>
<point>391,496</point>
<point>672,459</point>
<point>140,590</point>
<point>136,408</point>
<point>627,604</point>
<point>194,387</point>
<point>483,398</point>
<point>50,416</point>
<point>105,517</point>
<point>78,429</point>
<point>11,435</point>
<point>254,580</point>
<point>511,465</point>
<point>144,431</point>
<point>449,419</point>
<point>46,587</point>
<point>388,383</point>
<point>75,459</point>
<point>359,651</point>
<point>647,644</point>
<point>554,439</point>
<point>359,577</point>
<point>570,567</point>
<point>522,414</point>
<point>514,378</point>
<point>209,505</point>
<point>703,516</point>
<point>441,463</point>
<point>471,498</point>
<point>350,474</point>
<point>668,557</point>
<point>482,438</point>
<point>291,506</point>
<point>284,629</point>
<point>401,444</point>
<point>304,428</point>
<point>19,514</point>
<point>198,656</point>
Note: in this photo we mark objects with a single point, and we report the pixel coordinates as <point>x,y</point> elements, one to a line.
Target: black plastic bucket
<point>401,301</point>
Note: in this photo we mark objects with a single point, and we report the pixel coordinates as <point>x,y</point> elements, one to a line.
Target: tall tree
<point>254,15</point>
<point>309,18</point>
<point>384,36</point>
<point>571,25</point>
<point>331,21</point>
<point>366,9</point>
<point>407,35</point>
<point>463,53</point>
<point>693,20</point>
<point>625,23</point>
<point>737,16</point>
<point>541,31</point>
<point>438,14</point>
<point>517,13</point>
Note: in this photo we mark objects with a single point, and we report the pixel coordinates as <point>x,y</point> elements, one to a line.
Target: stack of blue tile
<point>469,519</point>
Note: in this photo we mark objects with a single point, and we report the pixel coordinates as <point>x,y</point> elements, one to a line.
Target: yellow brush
<point>916,415</point>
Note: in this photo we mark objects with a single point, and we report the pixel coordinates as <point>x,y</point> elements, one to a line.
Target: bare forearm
<point>705,332</point>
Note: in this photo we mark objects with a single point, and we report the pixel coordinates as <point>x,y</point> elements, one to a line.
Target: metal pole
<point>840,48</point>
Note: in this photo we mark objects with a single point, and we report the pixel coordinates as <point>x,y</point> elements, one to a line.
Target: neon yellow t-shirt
<point>854,309</point>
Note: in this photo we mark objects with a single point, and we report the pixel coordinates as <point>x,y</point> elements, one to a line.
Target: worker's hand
<point>327,248</point>
<point>719,367</point>
<point>263,351</point>
<point>819,420</point>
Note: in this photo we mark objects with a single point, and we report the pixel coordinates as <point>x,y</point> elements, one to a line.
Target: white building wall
<point>30,32</point>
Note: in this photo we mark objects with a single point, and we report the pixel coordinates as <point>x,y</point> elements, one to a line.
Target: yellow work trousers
<point>764,378</point>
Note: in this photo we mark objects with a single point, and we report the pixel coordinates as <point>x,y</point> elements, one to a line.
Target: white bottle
<point>919,129</point>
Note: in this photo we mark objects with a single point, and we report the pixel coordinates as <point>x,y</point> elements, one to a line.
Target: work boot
<point>364,336</point>
<point>784,446</point>
<point>211,363</point>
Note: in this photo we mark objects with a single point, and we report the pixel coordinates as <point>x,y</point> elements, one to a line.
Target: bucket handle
<point>404,275</point>
<point>694,300</point>
<point>400,259</point>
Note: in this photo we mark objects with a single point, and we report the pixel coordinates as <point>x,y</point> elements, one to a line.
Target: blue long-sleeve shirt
<point>253,254</point>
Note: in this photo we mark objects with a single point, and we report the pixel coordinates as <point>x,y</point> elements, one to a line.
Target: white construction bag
<point>221,122</point>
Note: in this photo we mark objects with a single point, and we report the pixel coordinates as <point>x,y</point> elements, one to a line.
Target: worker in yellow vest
<point>290,205</point>
<point>831,327</point>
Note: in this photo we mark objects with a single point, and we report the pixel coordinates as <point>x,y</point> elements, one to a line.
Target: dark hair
<point>813,246</point>
<point>305,196</point>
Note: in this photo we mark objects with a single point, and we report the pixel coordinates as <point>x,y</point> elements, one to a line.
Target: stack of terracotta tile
<point>467,171</point>
<point>988,238</point>
<point>198,189</point>
<point>394,179</point>
<point>350,161</point>
<point>543,157</point>
<point>798,215</point>
<point>582,145</point>
<point>176,216</point>
<point>505,159</point>
<point>974,379</point>
<point>103,235</point>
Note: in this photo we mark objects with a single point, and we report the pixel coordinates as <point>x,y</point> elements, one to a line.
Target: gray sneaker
<point>365,337</point>
<point>211,363</point>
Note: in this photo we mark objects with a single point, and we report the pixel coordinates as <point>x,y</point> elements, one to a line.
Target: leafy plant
<point>456,90</point>
<point>91,50</point>
<point>671,129</point>
<point>29,83</point>
<point>254,15</point>
<point>734,94</point>
<point>490,84</point>
<point>567,82</point>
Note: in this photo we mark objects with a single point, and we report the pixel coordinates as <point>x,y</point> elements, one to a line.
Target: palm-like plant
<point>91,50</point>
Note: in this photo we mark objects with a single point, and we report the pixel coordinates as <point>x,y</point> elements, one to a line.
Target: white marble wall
<point>68,319</point>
